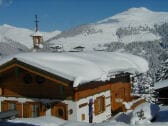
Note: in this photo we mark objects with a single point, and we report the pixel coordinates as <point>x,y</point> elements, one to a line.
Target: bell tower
<point>37,36</point>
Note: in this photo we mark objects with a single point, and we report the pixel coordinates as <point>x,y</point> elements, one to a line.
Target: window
<point>59,110</point>
<point>35,110</point>
<point>83,117</point>
<point>11,106</point>
<point>99,105</point>
<point>40,79</point>
<point>61,90</point>
<point>60,113</point>
<point>27,78</point>
<point>32,109</point>
<point>122,93</point>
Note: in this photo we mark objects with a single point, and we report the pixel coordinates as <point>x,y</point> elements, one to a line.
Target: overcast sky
<point>65,14</point>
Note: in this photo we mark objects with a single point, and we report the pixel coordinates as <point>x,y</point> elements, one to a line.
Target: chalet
<point>161,89</point>
<point>83,86</point>
<point>56,48</point>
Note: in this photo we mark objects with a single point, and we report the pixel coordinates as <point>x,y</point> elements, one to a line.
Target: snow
<point>145,36</point>
<point>148,111</point>
<point>104,31</point>
<point>92,35</point>
<point>75,123</point>
<point>37,34</point>
<point>128,105</point>
<point>138,16</point>
<point>42,121</point>
<point>161,84</point>
<point>83,67</point>
<point>161,120</point>
<point>22,35</point>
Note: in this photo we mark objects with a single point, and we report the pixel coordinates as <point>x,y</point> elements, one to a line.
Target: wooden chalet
<point>33,89</point>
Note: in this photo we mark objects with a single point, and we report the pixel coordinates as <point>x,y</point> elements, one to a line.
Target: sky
<point>66,14</point>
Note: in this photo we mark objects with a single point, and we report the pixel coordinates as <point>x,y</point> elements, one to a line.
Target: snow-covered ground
<point>42,121</point>
<point>161,119</point>
<point>144,113</point>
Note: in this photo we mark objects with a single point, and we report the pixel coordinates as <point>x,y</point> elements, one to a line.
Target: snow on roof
<point>83,67</point>
<point>161,84</point>
<point>37,34</point>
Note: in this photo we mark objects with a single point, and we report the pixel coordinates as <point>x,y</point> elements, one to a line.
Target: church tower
<point>37,36</point>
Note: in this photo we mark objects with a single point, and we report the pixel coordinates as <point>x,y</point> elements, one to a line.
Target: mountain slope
<point>137,24</point>
<point>16,40</point>
<point>137,16</point>
<point>21,35</point>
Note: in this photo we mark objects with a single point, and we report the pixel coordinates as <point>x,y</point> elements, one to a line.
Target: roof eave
<point>17,63</point>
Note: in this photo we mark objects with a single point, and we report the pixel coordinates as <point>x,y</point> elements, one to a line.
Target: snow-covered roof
<point>161,84</point>
<point>83,67</point>
<point>37,34</point>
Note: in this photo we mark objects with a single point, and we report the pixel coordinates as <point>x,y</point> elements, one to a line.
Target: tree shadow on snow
<point>4,123</point>
<point>162,116</point>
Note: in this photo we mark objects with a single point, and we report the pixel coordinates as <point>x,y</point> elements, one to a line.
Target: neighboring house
<point>56,48</point>
<point>100,48</point>
<point>78,49</point>
<point>161,89</point>
<point>87,87</point>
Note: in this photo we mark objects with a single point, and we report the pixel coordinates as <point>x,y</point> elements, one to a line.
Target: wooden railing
<point>137,103</point>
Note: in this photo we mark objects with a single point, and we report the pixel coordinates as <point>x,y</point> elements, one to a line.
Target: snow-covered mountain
<point>21,35</point>
<point>135,24</point>
<point>15,40</point>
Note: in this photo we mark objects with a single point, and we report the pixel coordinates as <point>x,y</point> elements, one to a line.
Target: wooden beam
<point>7,68</point>
<point>40,74</point>
<point>34,72</point>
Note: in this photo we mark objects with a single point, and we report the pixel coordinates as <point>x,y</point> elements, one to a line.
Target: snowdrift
<point>144,113</point>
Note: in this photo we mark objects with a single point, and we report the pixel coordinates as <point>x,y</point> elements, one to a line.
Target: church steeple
<point>37,36</point>
<point>36,23</point>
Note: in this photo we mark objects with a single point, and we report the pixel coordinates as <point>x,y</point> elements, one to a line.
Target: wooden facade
<point>120,89</point>
<point>12,105</point>
<point>60,110</point>
<point>21,80</point>
<point>20,83</point>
